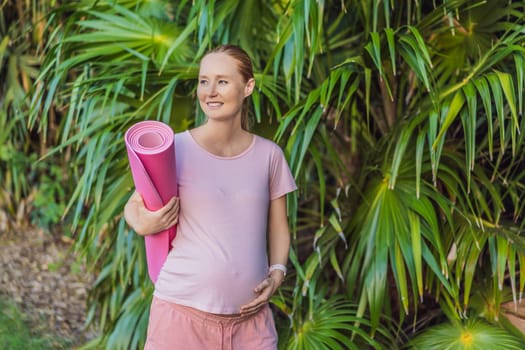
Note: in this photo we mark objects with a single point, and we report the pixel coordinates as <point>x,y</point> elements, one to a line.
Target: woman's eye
<point>203,82</point>
<point>223,82</point>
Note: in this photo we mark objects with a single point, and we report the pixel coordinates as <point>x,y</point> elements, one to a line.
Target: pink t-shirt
<point>219,253</point>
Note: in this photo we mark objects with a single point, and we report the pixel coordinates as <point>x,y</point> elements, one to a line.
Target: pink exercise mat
<point>151,155</point>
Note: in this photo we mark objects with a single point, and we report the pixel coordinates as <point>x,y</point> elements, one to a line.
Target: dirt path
<point>39,272</point>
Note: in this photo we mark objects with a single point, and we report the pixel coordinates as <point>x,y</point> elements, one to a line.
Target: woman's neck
<point>222,138</point>
<point>222,131</point>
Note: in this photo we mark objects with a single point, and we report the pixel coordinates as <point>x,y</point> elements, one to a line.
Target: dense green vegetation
<point>402,122</point>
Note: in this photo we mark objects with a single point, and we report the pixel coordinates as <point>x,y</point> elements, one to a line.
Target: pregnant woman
<point>231,249</point>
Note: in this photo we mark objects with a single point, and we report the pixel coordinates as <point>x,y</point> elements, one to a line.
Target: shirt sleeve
<point>281,178</point>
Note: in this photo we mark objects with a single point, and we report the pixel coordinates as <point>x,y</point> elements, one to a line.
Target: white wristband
<point>280,267</point>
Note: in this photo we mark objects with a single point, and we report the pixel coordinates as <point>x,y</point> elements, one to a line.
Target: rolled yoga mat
<point>151,155</point>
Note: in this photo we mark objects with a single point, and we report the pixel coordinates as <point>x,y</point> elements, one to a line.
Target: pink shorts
<point>173,326</point>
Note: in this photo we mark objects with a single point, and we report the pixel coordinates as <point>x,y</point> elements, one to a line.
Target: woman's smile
<point>214,104</point>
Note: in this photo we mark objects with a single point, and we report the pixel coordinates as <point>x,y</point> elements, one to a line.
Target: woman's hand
<point>145,222</point>
<point>264,292</point>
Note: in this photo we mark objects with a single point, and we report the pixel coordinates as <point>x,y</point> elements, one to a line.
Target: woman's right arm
<point>145,222</point>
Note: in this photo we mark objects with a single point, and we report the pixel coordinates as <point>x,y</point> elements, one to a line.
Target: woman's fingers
<point>262,285</point>
<point>254,305</point>
<point>169,214</point>
<point>171,218</point>
<point>173,204</point>
<point>145,221</point>
<point>265,289</point>
<point>159,220</point>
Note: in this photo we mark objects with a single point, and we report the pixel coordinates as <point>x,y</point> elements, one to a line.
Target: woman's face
<point>222,89</point>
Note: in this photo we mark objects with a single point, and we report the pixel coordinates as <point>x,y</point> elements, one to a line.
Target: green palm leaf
<point>472,335</point>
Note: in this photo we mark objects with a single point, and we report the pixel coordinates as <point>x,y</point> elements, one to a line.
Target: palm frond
<point>473,335</point>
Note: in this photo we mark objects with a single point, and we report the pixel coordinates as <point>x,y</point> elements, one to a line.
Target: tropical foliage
<point>402,123</point>
<point>473,335</point>
<point>29,189</point>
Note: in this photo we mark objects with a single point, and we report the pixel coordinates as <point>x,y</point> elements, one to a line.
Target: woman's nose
<point>213,89</point>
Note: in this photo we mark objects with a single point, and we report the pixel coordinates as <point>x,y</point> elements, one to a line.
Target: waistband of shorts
<point>204,316</point>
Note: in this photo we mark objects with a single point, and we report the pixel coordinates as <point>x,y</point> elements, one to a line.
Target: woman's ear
<point>248,89</point>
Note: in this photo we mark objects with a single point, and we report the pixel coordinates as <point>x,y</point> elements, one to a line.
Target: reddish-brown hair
<point>245,68</point>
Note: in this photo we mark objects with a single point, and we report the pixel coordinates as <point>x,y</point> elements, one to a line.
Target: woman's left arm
<point>279,245</point>
<point>278,237</point>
